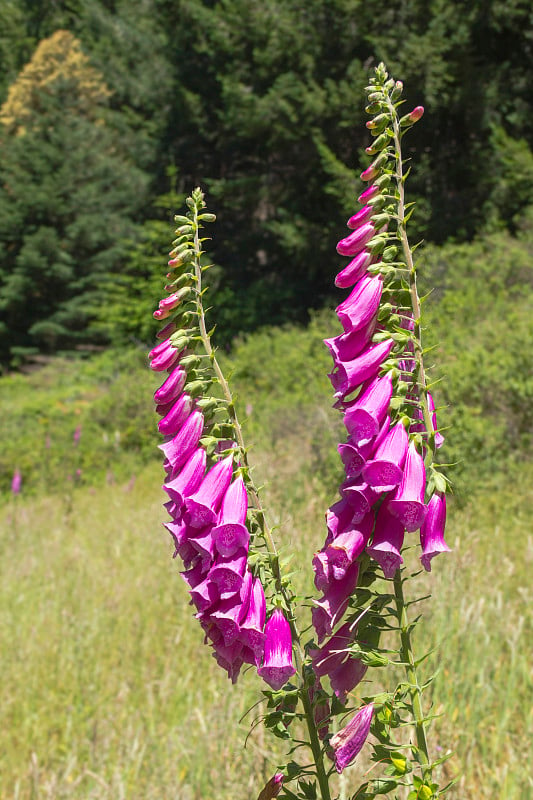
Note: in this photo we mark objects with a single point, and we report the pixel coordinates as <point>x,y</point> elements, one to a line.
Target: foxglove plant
<point>392,488</point>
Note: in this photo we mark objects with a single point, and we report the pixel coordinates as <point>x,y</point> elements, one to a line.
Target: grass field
<point>108,692</point>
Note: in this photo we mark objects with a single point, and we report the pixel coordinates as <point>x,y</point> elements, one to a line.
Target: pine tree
<point>68,199</point>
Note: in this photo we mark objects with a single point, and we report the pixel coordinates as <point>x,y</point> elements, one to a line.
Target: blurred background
<point>110,113</point>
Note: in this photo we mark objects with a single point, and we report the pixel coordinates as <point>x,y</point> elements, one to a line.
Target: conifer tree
<point>68,198</point>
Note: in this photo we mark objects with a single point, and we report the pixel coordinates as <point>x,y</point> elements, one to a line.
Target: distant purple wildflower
<point>16,483</point>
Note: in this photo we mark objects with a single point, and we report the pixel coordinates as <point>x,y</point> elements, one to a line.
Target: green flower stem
<point>408,658</point>
<point>415,300</point>
<point>314,740</point>
<point>229,398</point>
<point>316,747</point>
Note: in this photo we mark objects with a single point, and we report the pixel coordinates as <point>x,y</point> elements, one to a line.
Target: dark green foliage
<point>68,195</point>
<point>261,102</point>
<point>272,125</point>
<point>479,314</point>
<point>108,397</point>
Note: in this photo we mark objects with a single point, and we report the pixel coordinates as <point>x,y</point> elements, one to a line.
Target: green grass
<point>107,690</point>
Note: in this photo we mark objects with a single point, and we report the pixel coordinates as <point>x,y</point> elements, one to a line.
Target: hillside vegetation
<point>109,118</point>
<point>107,691</point>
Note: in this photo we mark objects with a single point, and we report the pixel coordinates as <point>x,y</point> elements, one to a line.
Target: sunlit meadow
<point>108,692</point>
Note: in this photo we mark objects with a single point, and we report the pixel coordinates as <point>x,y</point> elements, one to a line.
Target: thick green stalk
<point>408,658</point>
<point>316,747</point>
<point>407,652</point>
<point>229,398</point>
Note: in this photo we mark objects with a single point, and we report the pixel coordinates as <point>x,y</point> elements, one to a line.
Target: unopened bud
<point>377,202</point>
<point>397,91</point>
<point>383,181</point>
<point>378,122</point>
<point>369,173</point>
<point>189,361</point>
<point>389,254</point>
<point>368,194</point>
<point>373,170</point>
<point>168,330</point>
<point>381,142</point>
<point>272,788</point>
<point>207,404</point>
<point>197,388</point>
<point>376,245</point>
<point>412,117</point>
<point>379,220</point>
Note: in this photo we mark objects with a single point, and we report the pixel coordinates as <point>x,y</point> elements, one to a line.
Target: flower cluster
<point>208,499</point>
<point>377,384</point>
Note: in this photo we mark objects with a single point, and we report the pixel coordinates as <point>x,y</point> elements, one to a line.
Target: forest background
<point>110,112</point>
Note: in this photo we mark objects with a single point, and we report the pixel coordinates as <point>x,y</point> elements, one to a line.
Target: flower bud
<point>376,245</point>
<point>277,665</point>
<point>368,194</point>
<point>379,220</point>
<point>272,788</point>
<point>397,91</point>
<point>378,123</point>
<point>381,142</point>
<point>412,117</point>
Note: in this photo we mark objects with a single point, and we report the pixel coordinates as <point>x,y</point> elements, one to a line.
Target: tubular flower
<point>334,660</point>
<point>330,609</point>
<point>387,542</point>
<point>277,665</point>
<point>379,386</point>
<point>432,530</point>
<point>361,305</point>
<point>407,503</point>
<point>363,418</point>
<point>354,271</point>
<point>252,633</point>
<point>348,742</point>
<point>384,471</point>
<point>230,532</point>
<point>208,499</point>
<point>351,374</point>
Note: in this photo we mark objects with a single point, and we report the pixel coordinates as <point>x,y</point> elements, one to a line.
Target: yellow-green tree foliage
<point>58,67</point>
<point>70,194</point>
